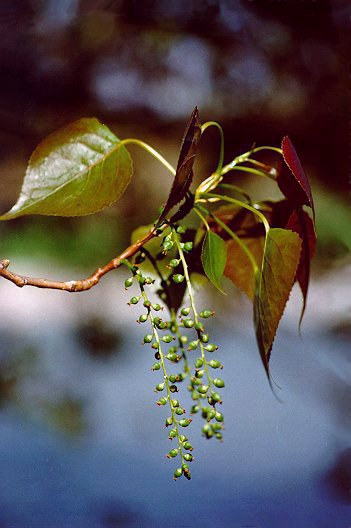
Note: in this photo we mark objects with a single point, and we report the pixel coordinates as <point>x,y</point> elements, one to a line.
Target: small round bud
<point>184,339</point>
<point>205,338</point>
<point>173,388</point>
<point>219,383</point>
<point>172,378</point>
<point>141,279</point>
<point>179,411</point>
<point>216,426</point>
<point>172,356</point>
<point>194,409</point>
<point>182,438</point>
<point>188,457</point>
<point>149,280</point>
<point>185,311</point>
<point>160,387</point>
<point>216,397</point>
<point>162,401</point>
<point>195,395</point>
<point>188,323</point>
<point>199,374</point>
<point>210,415</point>
<point>167,245</point>
<point>157,356</point>
<point>156,366</point>
<point>162,325</point>
<point>148,338</point>
<point>205,314</point>
<point>173,453</point>
<point>214,363</point>
<point>219,417</point>
<point>202,389</point>
<point>178,278</point>
<point>178,473</point>
<point>147,304</point>
<point>219,436</point>
<point>156,321</point>
<point>184,422</point>
<point>134,300</point>
<point>172,434</point>
<point>211,347</point>
<point>199,362</point>
<point>156,307</point>
<point>169,421</point>
<point>167,338</point>
<point>193,345</point>
<point>180,230</point>
<point>188,446</point>
<point>128,282</point>
<point>175,403</point>
<point>199,327</point>
<point>143,318</point>
<point>188,246</point>
<point>174,263</point>
<point>155,345</point>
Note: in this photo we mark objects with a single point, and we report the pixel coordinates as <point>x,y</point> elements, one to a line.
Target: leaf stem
<point>148,149</point>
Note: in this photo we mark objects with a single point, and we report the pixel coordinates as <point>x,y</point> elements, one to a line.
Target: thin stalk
<point>221,150</point>
<point>251,170</point>
<point>148,149</point>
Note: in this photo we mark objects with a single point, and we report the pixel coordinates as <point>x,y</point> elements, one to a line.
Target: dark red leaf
<point>184,173</point>
<point>294,183</point>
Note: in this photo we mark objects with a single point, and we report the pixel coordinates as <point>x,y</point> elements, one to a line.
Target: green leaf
<point>214,258</point>
<point>75,171</point>
<point>273,286</point>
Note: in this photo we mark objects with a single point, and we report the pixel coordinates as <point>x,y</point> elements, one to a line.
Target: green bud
<point>148,338</point>
<point>193,345</point>
<point>210,415</point>
<point>172,434</point>
<point>195,395</point>
<point>147,304</point>
<point>169,421</point>
<point>199,374</point>
<point>156,366</point>
<point>178,278</point>
<point>156,307</point>
<point>206,428</point>
<point>199,362</point>
<point>188,446</point>
<point>175,403</point>
<point>205,338</point>
<point>179,411</point>
<point>167,245</point>
<point>219,436</point>
<point>173,388</point>
<point>184,339</point>
<point>141,279</point>
<point>184,422</point>
<point>160,387</point>
<point>219,383</point>
<point>185,467</point>
<point>199,327</point>
<point>162,401</point>
<point>202,389</point>
<point>134,300</point>
<point>155,345</point>
<point>219,417</point>
<point>205,314</point>
<point>172,357</point>
<point>167,338</point>
<point>194,409</point>
<point>183,438</point>
<point>178,473</point>
<point>214,363</point>
<point>174,263</point>
<point>162,325</point>
<point>211,347</point>
<point>180,230</point>
<point>188,457</point>
<point>173,453</point>
<point>143,318</point>
<point>188,323</point>
<point>188,246</point>
<point>156,321</point>
<point>216,427</point>
<point>185,311</point>
<point>149,280</point>
<point>128,282</point>
<point>216,397</point>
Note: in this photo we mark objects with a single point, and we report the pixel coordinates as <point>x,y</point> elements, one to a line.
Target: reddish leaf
<point>184,173</point>
<point>302,224</point>
<point>273,286</point>
<point>238,268</point>
<point>294,183</point>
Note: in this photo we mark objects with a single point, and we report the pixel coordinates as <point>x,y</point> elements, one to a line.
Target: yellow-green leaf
<point>214,257</point>
<point>77,170</point>
<point>273,286</point>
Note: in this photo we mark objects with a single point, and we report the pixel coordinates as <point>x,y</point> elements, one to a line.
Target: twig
<point>75,285</point>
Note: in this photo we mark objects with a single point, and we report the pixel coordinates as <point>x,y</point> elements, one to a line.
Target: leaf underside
<point>214,257</point>
<point>77,170</point>
<point>238,267</point>
<point>273,286</point>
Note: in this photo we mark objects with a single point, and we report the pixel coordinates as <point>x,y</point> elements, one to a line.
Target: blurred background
<point>82,443</point>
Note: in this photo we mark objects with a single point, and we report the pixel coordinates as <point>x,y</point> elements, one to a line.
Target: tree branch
<point>75,285</point>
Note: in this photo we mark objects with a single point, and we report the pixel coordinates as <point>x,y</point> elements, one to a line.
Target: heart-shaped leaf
<point>294,183</point>
<point>273,286</point>
<point>214,258</point>
<point>75,171</point>
<point>184,172</point>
